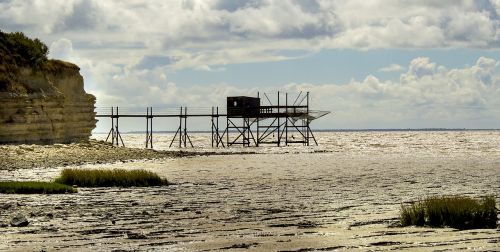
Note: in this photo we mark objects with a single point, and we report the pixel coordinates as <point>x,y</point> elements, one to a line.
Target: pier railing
<point>124,111</point>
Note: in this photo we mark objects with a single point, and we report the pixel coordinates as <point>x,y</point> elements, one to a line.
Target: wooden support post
<point>186,135</point>
<point>279,125</point>
<point>117,131</point>
<point>151,129</point>
<point>178,132</point>
<point>307,119</point>
<point>180,129</point>
<point>258,138</point>
<point>248,132</point>
<point>185,127</point>
<point>147,127</point>
<point>212,126</point>
<point>114,138</point>
<point>217,126</point>
<point>112,130</point>
<point>286,119</point>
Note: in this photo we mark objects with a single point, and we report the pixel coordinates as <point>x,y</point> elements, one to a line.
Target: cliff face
<point>43,103</point>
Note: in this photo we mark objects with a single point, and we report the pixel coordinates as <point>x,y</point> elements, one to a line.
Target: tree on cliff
<point>17,50</point>
<point>23,50</point>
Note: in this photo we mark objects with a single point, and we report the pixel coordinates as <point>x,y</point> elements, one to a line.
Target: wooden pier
<point>248,123</point>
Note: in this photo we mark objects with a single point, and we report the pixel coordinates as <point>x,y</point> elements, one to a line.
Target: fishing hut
<point>249,121</point>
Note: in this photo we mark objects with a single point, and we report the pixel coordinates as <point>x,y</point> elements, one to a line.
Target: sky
<point>372,63</point>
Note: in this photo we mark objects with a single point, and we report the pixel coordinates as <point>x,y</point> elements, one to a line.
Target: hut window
<point>235,103</point>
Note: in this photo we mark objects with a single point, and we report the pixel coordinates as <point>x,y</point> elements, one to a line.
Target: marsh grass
<point>456,212</point>
<point>107,178</point>
<point>33,187</point>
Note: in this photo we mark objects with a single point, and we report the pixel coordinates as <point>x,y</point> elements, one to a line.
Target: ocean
<point>351,142</point>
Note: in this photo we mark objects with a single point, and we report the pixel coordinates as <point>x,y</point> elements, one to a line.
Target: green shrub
<point>456,212</point>
<point>30,187</point>
<point>26,51</point>
<point>105,177</point>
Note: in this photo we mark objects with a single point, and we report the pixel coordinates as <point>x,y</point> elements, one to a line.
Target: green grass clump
<point>31,187</point>
<point>106,177</point>
<point>456,212</point>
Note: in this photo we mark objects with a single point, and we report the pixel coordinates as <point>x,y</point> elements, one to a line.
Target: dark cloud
<point>313,25</point>
<point>487,6</point>
<point>235,5</point>
<point>152,61</point>
<point>7,25</point>
<point>310,6</point>
<point>84,17</point>
<point>310,31</point>
<point>109,45</point>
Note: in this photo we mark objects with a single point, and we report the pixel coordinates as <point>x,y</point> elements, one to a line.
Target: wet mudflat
<point>316,202</point>
<point>295,201</point>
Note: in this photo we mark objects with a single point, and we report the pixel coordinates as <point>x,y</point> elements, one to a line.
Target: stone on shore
<point>19,221</point>
<point>5,206</point>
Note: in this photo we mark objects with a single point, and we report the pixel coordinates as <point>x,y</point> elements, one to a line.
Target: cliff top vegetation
<point>19,51</point>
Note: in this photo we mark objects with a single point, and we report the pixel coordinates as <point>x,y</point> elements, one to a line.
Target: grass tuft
<point>456,212</point>
<point>32,187</point>
<point>106,177</point>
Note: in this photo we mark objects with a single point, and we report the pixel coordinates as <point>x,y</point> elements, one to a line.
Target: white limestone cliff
<point>47,105</point>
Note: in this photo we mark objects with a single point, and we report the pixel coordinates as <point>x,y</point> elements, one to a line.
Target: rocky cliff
<point>42,101</point>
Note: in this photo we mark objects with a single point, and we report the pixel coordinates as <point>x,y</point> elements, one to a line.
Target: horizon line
<point>331,130</point>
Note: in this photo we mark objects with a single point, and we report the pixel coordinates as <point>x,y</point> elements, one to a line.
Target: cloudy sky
<point>373,63</point>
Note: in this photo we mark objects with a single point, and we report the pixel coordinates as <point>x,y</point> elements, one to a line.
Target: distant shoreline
<point>323,130</point>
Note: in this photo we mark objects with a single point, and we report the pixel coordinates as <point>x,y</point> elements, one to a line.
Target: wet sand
<point>339,200</point>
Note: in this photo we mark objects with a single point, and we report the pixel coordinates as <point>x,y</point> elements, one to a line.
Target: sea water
<point>381,142</point>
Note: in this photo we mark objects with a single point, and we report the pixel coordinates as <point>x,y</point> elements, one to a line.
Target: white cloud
<point>392,68</point>
<point>61,49</point>
<point>427,95</point>
<point>124,48</point>
<point>211,32</point>
<point>419,67</point>
<point>496,4</point>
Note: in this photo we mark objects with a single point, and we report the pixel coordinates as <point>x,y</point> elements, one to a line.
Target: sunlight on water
<point>431,143</point>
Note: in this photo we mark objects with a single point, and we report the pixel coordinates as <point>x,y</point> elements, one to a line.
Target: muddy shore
<point>345,199</point>
<point>27,156</point>
<point>231,203</point>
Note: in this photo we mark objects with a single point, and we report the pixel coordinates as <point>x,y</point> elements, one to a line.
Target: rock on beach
<point>19,221</point>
